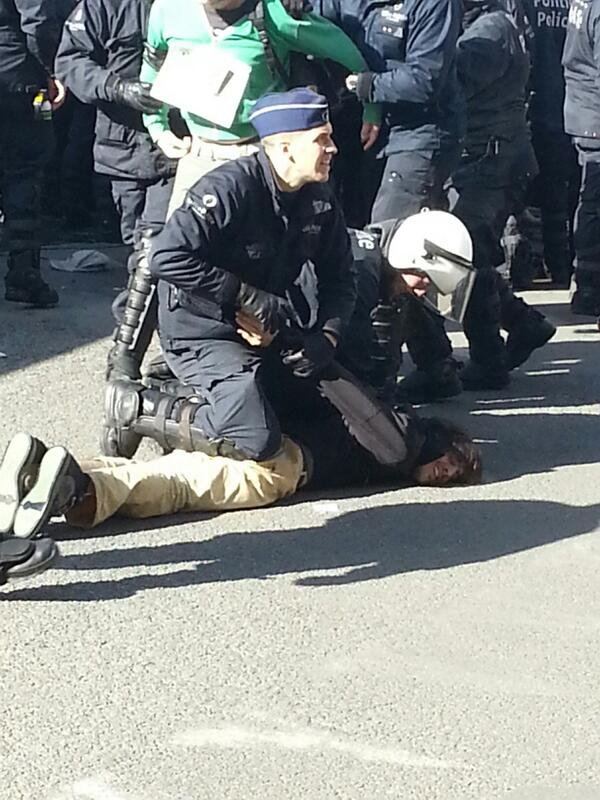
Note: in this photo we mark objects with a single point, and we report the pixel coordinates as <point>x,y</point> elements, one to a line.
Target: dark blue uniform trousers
<point>25,144</point>
<point>230,377</point>
<point>587,217</point>
<point>141,204</point>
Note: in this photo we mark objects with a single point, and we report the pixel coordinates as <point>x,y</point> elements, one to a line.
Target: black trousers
<point>555,191</point>
<point>414,179</point>
<point>482,195</point>
<point>587,217</point>
<point>140,204</point>
<point>25,146</point>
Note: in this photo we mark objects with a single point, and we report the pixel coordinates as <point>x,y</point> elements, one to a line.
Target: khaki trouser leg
<point>203,158</point>
<point>190,169</point>
<point>190,482</point>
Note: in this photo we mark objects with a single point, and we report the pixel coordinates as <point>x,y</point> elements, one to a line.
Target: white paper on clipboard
<point>202,80</point>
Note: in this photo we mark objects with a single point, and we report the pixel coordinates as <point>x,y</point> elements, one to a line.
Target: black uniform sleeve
<point>430,51</point>
<point>39,24</point>
<point>482,57</point>
<point>181,251</point>
<point>81,58</point>
<point>336,277</point>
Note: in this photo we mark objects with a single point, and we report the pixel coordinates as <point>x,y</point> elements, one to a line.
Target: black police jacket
<point>103,39</point>
<point>493,68</point>
<point>29,34</point>
<point>549,23</point>
<point>581,62</point>
<point>236,225</point>
<point>410,49</point>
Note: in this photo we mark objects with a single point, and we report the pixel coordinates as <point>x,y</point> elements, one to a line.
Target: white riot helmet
<point>438,245</point>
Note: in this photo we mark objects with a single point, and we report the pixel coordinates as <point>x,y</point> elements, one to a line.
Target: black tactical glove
<point>266,307</point>
<point>317,352</point>
<point>132,93</point>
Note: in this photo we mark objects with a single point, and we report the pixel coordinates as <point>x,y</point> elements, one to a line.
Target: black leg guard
<point>134,332</point>
<point>133,411</point>
<point>387,349</point>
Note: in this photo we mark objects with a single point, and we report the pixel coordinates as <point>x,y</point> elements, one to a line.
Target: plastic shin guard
<point>133,334</point>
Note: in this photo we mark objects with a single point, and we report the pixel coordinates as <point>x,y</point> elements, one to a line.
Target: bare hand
<point>251,330</point>
<point>57,94</point>
<point>368,134</point>
<point>351,82</point>
<point>172,146</point>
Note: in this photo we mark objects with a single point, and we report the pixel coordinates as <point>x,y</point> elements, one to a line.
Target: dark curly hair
<point>443,437</point>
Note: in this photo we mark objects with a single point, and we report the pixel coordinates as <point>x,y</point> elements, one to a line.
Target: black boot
<point>18,472</point>
<point>24,283</point>
<point>523,339</point>
<point>60,485</point>
<point>586,298</point>
<point>438,382</point>
<point>19,558</point>
<point>475,376</point>
<point>488,364</point>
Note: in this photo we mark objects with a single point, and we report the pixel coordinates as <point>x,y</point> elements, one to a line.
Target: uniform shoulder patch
<point>209,200</point>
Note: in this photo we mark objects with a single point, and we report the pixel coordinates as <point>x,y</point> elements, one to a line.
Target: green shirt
<point>183,23</point>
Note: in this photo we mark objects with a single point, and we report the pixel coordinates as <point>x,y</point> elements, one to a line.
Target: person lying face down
<point>360,441</point>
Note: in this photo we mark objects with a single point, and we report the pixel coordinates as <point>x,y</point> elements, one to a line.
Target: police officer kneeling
<point>232,251</point>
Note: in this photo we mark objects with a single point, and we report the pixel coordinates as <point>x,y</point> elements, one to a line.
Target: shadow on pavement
<point>29,336</point>
<point>362,545</point>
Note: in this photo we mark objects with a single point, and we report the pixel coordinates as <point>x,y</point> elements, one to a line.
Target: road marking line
<point>237,737</point>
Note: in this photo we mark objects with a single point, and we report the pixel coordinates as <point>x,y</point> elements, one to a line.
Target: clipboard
<point>203,80</point>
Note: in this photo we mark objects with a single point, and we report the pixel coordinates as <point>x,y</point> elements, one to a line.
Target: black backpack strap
<point>276,68</point>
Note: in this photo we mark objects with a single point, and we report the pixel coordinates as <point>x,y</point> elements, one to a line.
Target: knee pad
<point>133,411</point>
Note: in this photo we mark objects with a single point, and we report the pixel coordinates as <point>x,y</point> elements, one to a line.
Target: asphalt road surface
<point>427,644</point>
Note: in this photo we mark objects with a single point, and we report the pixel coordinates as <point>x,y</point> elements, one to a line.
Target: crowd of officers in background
<point>486,108</point>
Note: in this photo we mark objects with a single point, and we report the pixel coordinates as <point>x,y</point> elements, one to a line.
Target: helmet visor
<point>451,281</point>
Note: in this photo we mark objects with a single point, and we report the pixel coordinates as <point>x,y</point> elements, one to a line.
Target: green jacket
<point>182,22</point>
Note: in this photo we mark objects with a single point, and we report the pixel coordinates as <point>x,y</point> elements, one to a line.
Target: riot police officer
<point>99,59</point>
<point>28,39</point>
<point>493,67</point>
<point>410,49</point>
<point>582,122</point>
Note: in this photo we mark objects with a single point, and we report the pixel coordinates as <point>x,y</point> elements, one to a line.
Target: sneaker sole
<point>34,510</point>
<point>18,455</point>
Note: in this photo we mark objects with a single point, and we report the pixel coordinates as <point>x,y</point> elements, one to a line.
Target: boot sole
<point>35,509</point>
<point>19,454</point>
<point>30,303</point>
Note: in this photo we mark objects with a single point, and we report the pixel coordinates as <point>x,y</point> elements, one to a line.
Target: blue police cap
<point>283,112</point>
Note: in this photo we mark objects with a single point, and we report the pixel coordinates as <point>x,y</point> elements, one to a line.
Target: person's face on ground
<point>440,472</point>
